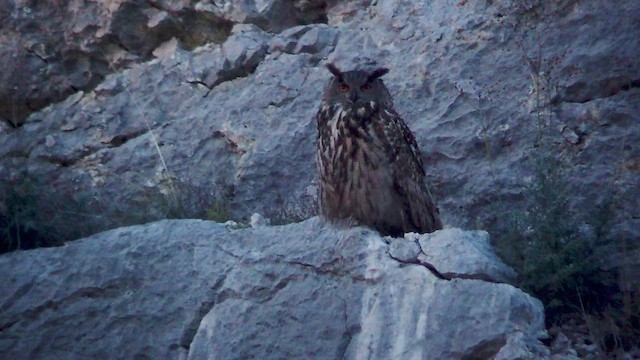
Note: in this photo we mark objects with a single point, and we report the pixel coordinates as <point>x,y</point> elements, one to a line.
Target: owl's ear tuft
<point>378,73</point>
<point>334,70</point>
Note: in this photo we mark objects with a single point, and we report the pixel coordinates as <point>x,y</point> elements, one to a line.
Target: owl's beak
<point>353,96</point>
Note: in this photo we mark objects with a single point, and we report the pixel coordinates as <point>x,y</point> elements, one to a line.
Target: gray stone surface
<point>271,15</point>
<point>239,56</point>
<point>178,289</point>
<point>404,249</point>
<point>223,142</point>
<point>311,39</point>
<point>52,50</point>
<point>453,251</point>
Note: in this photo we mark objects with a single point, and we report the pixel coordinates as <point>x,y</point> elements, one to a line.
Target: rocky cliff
<point>119,103</point>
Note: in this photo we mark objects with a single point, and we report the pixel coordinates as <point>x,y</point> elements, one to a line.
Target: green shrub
<point>34,215</point>
<point>217,212</point>
<point>558,254</point>
<point>553,248</point>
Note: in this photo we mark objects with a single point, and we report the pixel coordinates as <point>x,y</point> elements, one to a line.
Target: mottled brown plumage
<point>369,166</point>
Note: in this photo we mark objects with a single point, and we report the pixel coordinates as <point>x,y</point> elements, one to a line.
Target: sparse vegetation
<point>32,215</point>
<point>553,247</point>
<point>559,253</point>
<point>217,212</point>
<point>23,219</point>
<point>561,239</point>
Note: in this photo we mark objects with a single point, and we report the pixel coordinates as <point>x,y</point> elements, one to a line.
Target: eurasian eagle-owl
<point>369,165</point>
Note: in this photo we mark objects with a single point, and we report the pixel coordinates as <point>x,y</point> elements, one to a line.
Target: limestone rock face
<point>191,289</point>
<point>52,50</point>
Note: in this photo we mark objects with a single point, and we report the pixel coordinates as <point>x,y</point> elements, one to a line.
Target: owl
<point>370,171</point>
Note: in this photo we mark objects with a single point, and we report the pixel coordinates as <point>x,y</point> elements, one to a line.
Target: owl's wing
<point>409,177</point>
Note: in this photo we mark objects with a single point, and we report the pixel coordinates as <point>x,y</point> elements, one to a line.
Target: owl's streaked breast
<point>353,163</point>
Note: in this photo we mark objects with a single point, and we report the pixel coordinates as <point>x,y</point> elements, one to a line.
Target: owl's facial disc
<point>357,92</point>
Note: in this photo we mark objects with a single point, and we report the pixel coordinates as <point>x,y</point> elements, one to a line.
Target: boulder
<point>192,289</point>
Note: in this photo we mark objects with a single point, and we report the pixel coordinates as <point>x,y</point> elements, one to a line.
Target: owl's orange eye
<point>343,87</point>
<point>366,87</point>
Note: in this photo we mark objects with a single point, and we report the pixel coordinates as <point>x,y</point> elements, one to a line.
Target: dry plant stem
<point>585,317</point>
<point>536,73</point>
<point>535,78</point>
<point>154,140</point>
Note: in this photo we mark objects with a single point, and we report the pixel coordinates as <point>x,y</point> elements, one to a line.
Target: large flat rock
<point>201,290</point>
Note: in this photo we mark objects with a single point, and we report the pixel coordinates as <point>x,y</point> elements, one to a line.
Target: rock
<point>194,289</point>
<point>51,51</point>
<point>561,348</point>
<point>246,47</point>
<point>518,347</point>
<point>310,39</point>
<point>257,221</point>
<point>271,15</point>
<point>570,135</point>
<point>54,51</point>
<point>238,57</point>
<point>404,250</point>
<point>196,119</point>
<point>453,251</point>
<point>49,141</point>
